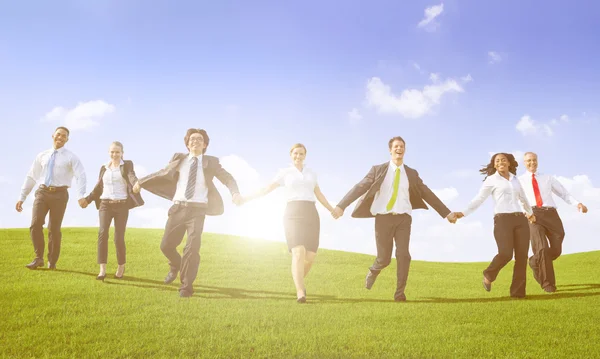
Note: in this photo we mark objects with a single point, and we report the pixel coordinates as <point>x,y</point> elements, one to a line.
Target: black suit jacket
<point>163,183</point>
<point>128,173</point>
<point>369,186</point>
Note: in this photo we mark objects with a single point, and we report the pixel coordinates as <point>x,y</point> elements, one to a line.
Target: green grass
<point>245,306</point>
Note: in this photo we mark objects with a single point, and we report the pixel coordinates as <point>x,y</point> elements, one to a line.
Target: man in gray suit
<point>188,181</point>
<point>390,192</point>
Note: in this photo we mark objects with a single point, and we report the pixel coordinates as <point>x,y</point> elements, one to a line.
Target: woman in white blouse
<point>114,197</point>
<point>301,219</point>
<point>511,229</point>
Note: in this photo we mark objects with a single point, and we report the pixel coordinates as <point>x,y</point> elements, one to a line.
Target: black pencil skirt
<point>302,225</point>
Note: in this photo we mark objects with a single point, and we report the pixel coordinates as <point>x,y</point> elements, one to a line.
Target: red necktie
<point>536,191</point>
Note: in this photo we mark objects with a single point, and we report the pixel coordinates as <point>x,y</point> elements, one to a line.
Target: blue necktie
<point>50,169</point>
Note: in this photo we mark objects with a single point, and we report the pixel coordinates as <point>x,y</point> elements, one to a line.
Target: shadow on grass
<point>214,292</point>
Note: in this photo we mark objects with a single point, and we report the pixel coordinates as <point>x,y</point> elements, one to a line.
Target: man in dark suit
<point>188,181</point>
<point>390,192</point>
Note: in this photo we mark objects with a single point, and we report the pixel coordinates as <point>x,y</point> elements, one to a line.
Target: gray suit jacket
<point>163,183</point>
<point>369,186</point>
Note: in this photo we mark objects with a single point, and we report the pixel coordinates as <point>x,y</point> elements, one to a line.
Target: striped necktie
<point>191,185</point>
<point>50,169</point>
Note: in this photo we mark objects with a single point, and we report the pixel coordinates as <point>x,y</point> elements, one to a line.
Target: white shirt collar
<point>107,165</point>
<point>190,156</point>
<point>510,175</point>
<point>393,166</point>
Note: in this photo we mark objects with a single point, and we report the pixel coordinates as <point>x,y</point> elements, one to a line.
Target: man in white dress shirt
<point>54,169</point>
<point>188,181</point>
<point>547,233</point>
<point>390,192</point>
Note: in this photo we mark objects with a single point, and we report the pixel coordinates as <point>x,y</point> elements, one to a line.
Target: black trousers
<point>184,219</point>
<point>511,231</point>
<point>54,202</point>
<point>547,234</point>
<point>119,212</point>
<point>390,228</point>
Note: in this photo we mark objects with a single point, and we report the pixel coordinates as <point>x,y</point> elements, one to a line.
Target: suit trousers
<point>390,228</point>
<point>184,219</point>
<point>54,202</point>
<point>511,231</point>
<point>547,234</point>
<point>107,212</point>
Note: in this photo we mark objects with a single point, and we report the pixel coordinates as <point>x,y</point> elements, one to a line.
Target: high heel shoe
<point>101,277</point>
<point>122,274</point>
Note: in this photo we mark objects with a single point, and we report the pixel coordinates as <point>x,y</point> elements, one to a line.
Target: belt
<point>190,204</point>
<point>544,208</point>
<point>113,201</point>
<point>513,214</point>
<point>53,188</point>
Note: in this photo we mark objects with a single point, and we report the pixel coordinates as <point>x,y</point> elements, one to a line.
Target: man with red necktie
<point>547,233</point>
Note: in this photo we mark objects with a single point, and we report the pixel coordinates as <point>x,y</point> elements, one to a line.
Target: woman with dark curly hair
<point>511,229</point>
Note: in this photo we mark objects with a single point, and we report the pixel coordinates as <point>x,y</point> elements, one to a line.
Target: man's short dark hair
<point>202,132</point>
<point>63,128</point>
<point>397,138</point>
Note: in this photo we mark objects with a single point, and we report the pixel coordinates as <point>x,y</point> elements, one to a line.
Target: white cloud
<point>467,78</point>
<point>528,126</point>
<point>494,57</point>
<point>411,103</point>
<point>430,14</point>
<point>354,116</point>
<point>416,66</point>
<point>82,116</point>
<point>239,168</point>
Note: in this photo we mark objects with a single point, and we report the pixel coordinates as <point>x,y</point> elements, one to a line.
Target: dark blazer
<point>128,173</point>
<point>370,185</point>
<point>163,183</point>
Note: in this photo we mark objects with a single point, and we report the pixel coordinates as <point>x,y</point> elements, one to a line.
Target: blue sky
<point>340,77</point>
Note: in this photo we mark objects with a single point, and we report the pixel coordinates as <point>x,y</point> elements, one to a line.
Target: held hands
<point>337,212</point>
<point>454,216</point>
<point>238,199</point>
<point>136,187</point>
<point>83,203</point>
<point>531,218</point>
<point>582,208</point>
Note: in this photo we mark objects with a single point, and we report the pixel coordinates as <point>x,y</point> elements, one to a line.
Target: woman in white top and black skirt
<point>301,219</point>
<point>511,229</point>
<point>114,197</point>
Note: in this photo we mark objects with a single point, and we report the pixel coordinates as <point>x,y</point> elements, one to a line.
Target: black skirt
<point>302,225</point>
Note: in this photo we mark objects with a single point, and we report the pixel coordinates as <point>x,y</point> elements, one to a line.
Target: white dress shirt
<point>66,166</point>
<point>201,191</point>
<point>298,185</point>
<point>506,193</point>
<point>547,185</point>
<point>114,185</point>
<point>383,196</point>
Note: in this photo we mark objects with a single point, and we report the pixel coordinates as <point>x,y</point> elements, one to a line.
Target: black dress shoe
<point>38,262</point>
<point>51,266</point>
<point>399,297</point>
<point>101,277</point>
<point>301,300</point>
<point>486,286</point>
<point>183,294</point>
<point>550,289</point>
<point>170,277</point>
<point>370,280</point>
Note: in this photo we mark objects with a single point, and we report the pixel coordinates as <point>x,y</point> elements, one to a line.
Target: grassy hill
<point>245,306</point>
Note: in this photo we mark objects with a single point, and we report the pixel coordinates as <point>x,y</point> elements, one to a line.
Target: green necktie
<point>395,193</point>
